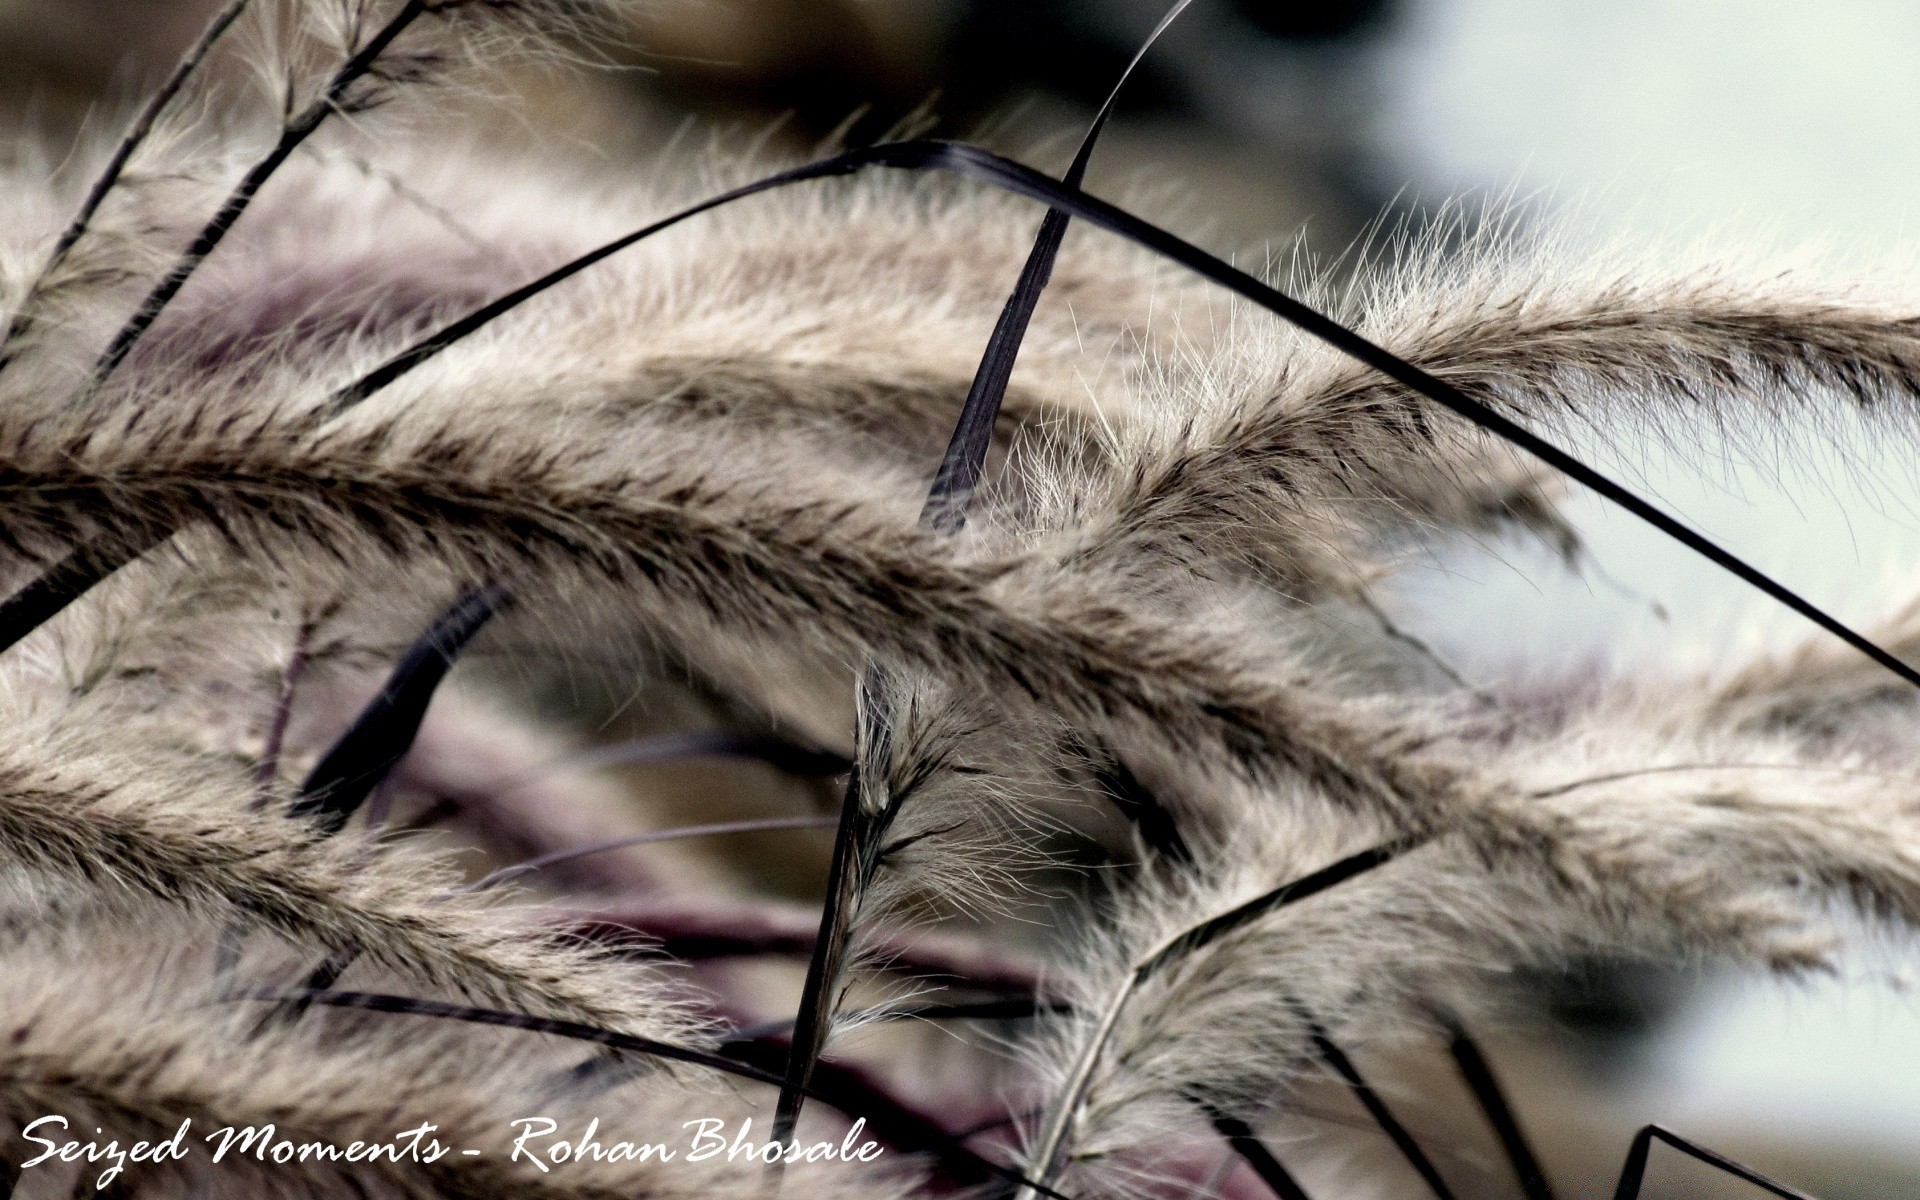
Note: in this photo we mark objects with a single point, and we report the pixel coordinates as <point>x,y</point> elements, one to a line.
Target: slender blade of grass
<point>1485,1085</point>
<point>966,454</point>
<point>1382,1115</point>
<point>829,951</point>
<point>1254,1152</point>
<point>504,874</point>
<point>778,753</point>
<point>48,594</point>
<point>944,510</point>
<point>384,731</point>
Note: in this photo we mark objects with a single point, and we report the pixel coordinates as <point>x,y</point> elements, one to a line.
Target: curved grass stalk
<point>1048,1154</point>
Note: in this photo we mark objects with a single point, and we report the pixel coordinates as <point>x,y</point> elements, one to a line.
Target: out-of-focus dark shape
<point>1262,105</point>
<point>1259,105</point>
<point>60,57</point>
<point>1317,18</point>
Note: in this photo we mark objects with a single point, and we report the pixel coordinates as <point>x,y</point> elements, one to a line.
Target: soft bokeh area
<point>1749,125</point>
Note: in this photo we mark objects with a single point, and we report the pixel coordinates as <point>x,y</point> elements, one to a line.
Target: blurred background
<point>1257,123</point>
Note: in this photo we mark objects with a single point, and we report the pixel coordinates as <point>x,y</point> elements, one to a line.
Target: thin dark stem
<point>297,130</point>
<point>693,929</point>
<point>851,1088</point>
<point>1337,1059</point>
<point>1633,1172</point>
<point>631,1043</point>
<point>130,142</point>
<point>1011,1009</point>
<point>268,771</point>
<point>384,731</point>
<point>1291,892</point>
<point>1254,1152</point>
<point>1485,1085</point>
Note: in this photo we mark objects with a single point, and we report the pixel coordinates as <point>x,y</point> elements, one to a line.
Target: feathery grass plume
<point>315,294</point>
<point>984,166</point>
<point>192,649</point>
<point>1161,1018</point>
<point>153,823</point>
<point>1102,1046</point>
<point>1823,699</point>
<point>105,1029</point>
<point>1333,741</point>
<point>61,312</point>
<point>787,547</point>
<point>1258,426</point>
<point>943,790</point>
<point>875,794</point>
<point>48,276</point>
<point>1692,813</point>
<point>775,299</point>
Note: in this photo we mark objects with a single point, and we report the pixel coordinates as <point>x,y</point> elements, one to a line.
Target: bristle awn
<point>504,874</point>
<point>1369,1099</point>
<point>292,134</point>
<point>1013,1009</point>
<point>945,510</point>
<point>1633,1172</point>
<point>1050,1147</point>
<point>384,731</point>
<point>778,753</point>
<point>1253,1151</point>
<point>123,152</point>
<point>267,773</point>
<point>613,1039</point>
<point>1485,1085</point>
<point>995,171</point>
<point>329,972</point>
